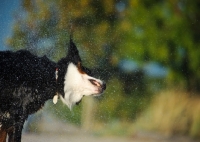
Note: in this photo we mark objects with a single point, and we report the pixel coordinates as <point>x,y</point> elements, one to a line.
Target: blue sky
<point>7,8</point>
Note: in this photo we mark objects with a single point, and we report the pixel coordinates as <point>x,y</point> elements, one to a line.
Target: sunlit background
<point>147,51</point>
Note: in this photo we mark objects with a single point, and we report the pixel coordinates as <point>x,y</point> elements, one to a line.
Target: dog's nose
<point>103,86</point>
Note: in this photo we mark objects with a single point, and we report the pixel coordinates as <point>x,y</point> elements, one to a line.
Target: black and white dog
<point>28,81</point>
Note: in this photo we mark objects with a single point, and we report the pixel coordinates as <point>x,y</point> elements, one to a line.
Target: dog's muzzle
<point>102,88</point>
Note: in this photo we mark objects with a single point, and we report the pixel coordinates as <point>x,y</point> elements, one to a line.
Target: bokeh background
<point>147,51</point>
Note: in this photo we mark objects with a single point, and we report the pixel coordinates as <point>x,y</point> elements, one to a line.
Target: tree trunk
<point>87,117</point>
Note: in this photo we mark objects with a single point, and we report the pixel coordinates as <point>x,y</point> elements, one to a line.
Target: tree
<point>89,21</point>
<point>166,32</point>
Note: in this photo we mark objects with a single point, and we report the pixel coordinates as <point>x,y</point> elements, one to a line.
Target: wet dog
<point>28,81</point>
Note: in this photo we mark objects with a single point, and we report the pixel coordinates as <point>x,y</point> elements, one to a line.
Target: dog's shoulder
<point>24,62</point>
<point>24,54</point>
<point>21,56</point>
<point>5,54</point>
<point>24,70</point>
<point>12,54</point>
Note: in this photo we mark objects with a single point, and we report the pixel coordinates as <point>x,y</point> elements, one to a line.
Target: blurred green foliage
<point>61,111</point>
<point>106,32</point>
<point>166,32</point>
<point>115,104</point>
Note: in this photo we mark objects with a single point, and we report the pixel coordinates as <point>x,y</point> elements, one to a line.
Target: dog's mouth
<point>100,87</point>
<point>99,91</point>
<point>77,103</point>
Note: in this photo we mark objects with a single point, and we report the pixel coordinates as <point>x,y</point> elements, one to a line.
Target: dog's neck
<point>55,98</point>
<point>56,74</point>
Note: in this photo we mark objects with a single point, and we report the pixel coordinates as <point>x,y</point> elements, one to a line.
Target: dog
<point>28,81</point>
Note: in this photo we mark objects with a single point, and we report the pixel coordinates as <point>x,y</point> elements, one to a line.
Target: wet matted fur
<point>28,81</point>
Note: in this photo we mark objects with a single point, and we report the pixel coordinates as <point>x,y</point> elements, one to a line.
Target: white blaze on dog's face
<point>77,79</point>
<point>78,84</point>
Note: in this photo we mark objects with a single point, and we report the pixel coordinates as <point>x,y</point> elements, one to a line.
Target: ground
<point>50,129</point>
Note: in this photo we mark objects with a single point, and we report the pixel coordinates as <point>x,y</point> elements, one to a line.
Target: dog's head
<point>75,79</point>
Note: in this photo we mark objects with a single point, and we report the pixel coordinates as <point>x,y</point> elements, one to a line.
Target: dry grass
<point>172,112</point>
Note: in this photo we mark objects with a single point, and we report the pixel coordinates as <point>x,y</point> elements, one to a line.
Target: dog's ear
<point>73,54</point>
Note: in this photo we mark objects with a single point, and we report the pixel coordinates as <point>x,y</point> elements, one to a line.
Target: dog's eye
<point>94,82</point>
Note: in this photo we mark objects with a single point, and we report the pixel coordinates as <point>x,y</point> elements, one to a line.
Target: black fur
<point>26,82</point>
